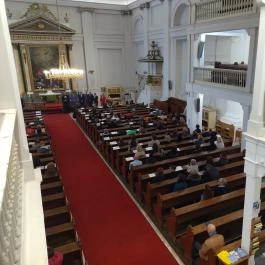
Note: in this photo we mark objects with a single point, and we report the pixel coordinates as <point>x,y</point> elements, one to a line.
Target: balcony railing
<point>11,195</point>
<point>223,8</point>
<point>228,77</point>
<point>21,213</point>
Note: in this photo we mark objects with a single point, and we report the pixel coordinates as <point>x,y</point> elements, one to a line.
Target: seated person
<point>159,176</point>
<point>182,121</point>
<point>185,132</point>
<point>153,140</point>
<point>222,187</point>
<point>193,173</point>
<point>214,242</point>
<point>197,130</point>
<point>173,152</point>
<point>167,137</point>
<point>200,139</point>
<point>151,159</point>
<point>135,162</point>
<point>42,147</point>
<point>221,160</point>
<point>210,171</point>
<point>219,142</point>
<point>181,183</point>
<point>207,193</point>
<point>51,171</point>
<point>140,151</point>
<point>30,131</point>
<point>132,143</point>
<point>54,257</point>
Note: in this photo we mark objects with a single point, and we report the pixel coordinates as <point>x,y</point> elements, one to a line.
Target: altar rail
<point>228,77</point>
<point>16,229</point>
<point>213,9</point>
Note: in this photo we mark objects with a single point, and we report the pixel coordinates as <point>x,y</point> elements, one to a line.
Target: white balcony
<point>213,9</point>
<point>22,232</point>
<point>233,79</point>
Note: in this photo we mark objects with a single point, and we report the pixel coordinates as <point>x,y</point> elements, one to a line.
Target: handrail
<point>228,77</point>
<point>209,10</point>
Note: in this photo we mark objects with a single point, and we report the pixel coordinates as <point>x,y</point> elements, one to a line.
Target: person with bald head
<point>214,242</point>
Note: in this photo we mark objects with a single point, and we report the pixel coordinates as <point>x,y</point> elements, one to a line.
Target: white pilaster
<point>193,117</point>
<point>128,80</point>
<point>166,50</point>
<point>256,122</point>
<point>88,33</point>
<point>246,115</point>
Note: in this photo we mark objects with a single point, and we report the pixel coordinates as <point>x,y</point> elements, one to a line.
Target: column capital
<point>85,9</point>
<point>260,2</point>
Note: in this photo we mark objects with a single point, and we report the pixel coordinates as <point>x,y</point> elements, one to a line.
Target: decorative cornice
<point>126,12</point>
<point>85,9</point>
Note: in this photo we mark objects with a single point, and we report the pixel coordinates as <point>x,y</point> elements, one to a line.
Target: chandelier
<point>64,72</point>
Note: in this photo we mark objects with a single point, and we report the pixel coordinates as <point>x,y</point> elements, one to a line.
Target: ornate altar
<point>36,38</point>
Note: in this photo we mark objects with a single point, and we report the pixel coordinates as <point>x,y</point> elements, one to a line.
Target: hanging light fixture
<point>64,72</point>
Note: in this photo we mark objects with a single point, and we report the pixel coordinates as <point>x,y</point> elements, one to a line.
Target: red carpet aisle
<point>112,230</point>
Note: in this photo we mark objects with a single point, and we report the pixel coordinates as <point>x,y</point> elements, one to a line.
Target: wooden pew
<point>166,186</point>
<point>60,234</point>
<point>182,160</point>
<point>235,166</point>
<point>229,225</point>
<point>190,195</point>
<point>71,253</point>
<point>181,217</point>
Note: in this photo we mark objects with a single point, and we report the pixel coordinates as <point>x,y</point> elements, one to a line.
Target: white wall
<point>227,110</point>
<point>226,47</point>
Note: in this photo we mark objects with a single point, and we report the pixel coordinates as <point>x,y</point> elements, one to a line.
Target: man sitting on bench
<point>214,242</point>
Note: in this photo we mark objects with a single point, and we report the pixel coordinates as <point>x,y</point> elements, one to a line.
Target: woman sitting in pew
<point>221,160</point>
<point>210,171</point>
<point>207,193</point>
<point>181,183</point>
<point>219,142</point>
<point>140,151</point>
<point>194,176</point>
<point>222,187</point>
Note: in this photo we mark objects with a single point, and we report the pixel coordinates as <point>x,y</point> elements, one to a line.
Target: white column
<point>256,122</point>
<point>251,58</point>
<point>193,116</point>
<point>255,141</point>
<point>88,33</point>
<point>255,170</point>
<point>166,50</point>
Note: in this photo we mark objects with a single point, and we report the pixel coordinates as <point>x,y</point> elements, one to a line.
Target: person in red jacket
<point>102,99</point>
<point>55,257</point>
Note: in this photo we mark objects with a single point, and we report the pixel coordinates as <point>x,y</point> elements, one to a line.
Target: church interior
<point>132,132</point>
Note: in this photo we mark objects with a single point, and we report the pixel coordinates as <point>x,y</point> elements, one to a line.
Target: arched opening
<point>182,15</point>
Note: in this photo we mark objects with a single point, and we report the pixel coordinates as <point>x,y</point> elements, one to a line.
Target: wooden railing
<point>228,77</point>
<point>223,8</point>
